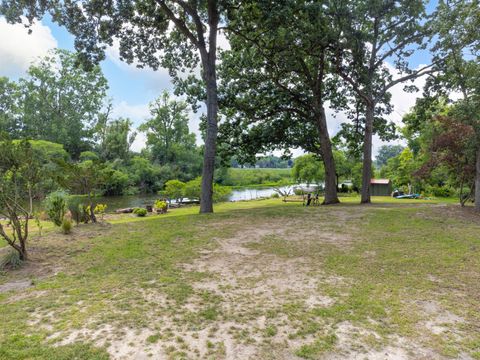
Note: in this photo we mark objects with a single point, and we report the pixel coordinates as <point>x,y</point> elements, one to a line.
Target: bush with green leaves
<point>141,212</point>
<point>100,209</point>
<point>66,226</point>
<point>174,189</point>
<point>193,189</point>
<point>77,208</point>
<point>161,206</point>
<point>221,193</point>
<point>439,191</point>
<point>56,206</point>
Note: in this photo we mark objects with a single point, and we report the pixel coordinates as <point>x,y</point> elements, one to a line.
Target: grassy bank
<point>236,177</point>
<point>261,279</point>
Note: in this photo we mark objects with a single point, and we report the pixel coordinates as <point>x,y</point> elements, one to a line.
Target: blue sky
<point>132,89</point>
<point>126,82</point>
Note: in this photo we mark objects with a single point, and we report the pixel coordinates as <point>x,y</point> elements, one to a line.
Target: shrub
<point>174,189</point>
<point>275,195</point>
<point>56,205</point>
<point>160,206</point>
<point>439,191</point>
<point>193,188</point>
<point>141,212</point>
<point>221,193</point>
<point>77,209</point>
<point>100,209</point>
<point>11,260</point>
<point>66,226</point>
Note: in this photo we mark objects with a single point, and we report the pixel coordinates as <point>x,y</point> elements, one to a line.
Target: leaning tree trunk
<point>23,250</point>
<point>206,196</point>
<point>367,154</point>
<point>328,160</point>
<point>477,180</point>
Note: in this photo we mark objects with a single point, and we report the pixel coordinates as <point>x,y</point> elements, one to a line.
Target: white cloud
<point>402,102</point>
<point>18,48</point>
<point>136,113</point>
<point>222,41</point>
<point>155,80</point>
<point>140,142</point>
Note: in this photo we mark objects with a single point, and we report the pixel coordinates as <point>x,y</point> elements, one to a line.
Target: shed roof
<point>380,181</point>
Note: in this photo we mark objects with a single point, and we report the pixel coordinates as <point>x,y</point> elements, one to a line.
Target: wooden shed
<point>380,187</point>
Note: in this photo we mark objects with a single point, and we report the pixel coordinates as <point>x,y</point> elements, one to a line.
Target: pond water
<point>127,201</point>
<point>256,193</point>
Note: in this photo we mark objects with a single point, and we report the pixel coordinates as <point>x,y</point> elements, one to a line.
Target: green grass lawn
<point>259,279</point>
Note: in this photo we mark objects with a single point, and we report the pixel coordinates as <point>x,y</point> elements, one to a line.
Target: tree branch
<point>197,21</point>
<point>416,74</point>
<point>180,24</point>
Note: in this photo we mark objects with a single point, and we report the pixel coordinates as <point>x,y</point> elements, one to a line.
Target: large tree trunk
<point>206,197</point>
<point>477,181</point>
<point>367,154</point>
<point>328,160</point>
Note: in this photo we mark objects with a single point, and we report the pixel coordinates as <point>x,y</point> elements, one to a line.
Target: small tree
<point>308,168</point>
<point>16,164</point>
<point>175,189</point>
<point>85,178</point>
<point>193,188</point>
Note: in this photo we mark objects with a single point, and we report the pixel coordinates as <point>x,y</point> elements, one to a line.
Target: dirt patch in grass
<point>15,285</point>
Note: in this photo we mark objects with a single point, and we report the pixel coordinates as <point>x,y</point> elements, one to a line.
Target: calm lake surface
<point>127,201</point>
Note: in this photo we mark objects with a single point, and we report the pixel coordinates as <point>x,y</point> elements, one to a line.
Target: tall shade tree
<point>167,130</point>
<point>458,47</point>
<point>278,78</point>
<point>60,102</point>
<point>370,34</point>
<point>175,34</point>
<point>116,138</point>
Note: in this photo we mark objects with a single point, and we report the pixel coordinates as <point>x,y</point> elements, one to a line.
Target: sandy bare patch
<point>440,321</point>
<point>15,285</point>
<point>353,343</point>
